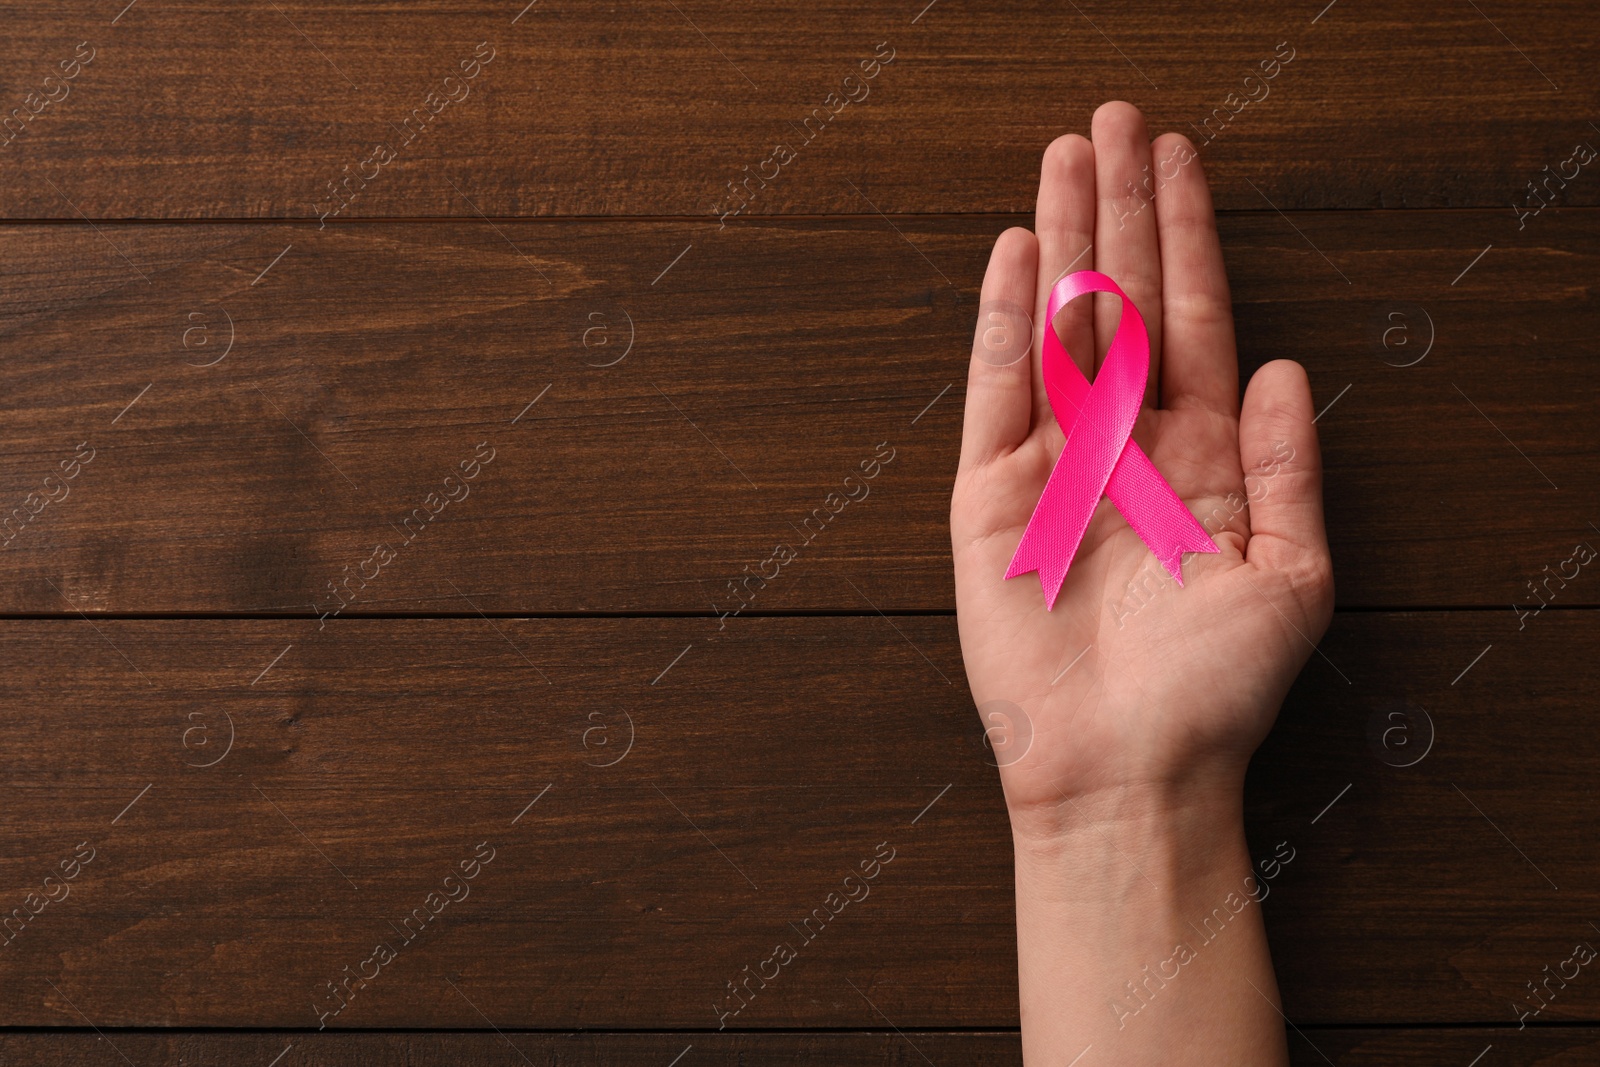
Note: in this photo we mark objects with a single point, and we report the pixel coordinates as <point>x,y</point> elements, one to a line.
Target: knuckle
<point>1200,310</point>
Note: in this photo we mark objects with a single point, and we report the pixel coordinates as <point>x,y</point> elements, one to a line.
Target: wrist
<point>1196,805</point>
<point>1170,850</point>
<point>1139,920</point>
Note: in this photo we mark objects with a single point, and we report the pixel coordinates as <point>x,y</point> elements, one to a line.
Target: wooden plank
<point>517,1049</point>
<point>1403,1048</point>
<point>770,362</point>
<point>1477,1047</point>
<point>253,109</point>
<point>230,883</point>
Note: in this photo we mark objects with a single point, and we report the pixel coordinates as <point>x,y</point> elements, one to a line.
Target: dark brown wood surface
<point>230,110</point>
<point>1311,1046</point>
<point>216,411</point>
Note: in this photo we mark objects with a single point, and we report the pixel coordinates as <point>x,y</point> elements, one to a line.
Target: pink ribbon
<point>1100,457</point>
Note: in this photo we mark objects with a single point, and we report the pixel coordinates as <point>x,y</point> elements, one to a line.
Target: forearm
<point>1139,936</point>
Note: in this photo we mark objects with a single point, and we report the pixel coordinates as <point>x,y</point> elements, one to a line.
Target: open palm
<point>1132,681</point>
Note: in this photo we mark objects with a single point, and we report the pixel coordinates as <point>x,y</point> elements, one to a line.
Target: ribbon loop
<point>1100,457</point>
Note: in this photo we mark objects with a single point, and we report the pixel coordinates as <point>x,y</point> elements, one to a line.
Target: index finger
<point>999,407</point>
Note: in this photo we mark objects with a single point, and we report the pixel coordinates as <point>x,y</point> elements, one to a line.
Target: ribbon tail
<point>1056,527</point>
<point>1156,513</point>
<point>1034,555</point>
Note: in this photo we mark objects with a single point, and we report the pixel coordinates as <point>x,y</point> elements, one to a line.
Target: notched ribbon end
<point>1050,578</point>
<point>1174,563</point>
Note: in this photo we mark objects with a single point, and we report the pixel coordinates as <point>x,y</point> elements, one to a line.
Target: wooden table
<point>395,396</point>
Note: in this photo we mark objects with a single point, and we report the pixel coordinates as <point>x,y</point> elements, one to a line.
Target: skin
<point>1124,780</point>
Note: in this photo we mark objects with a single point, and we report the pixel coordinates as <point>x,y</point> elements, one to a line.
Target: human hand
<point>1131,683</point>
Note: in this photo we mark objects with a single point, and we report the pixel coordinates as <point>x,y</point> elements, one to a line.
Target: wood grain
<point>230,110</point>
<point>517,1049</point>
<point>768,760</point>
<point>770,362</point>
<point>1405,1048</point>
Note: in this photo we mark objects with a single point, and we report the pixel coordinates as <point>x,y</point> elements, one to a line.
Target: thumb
<point>1283,482</point>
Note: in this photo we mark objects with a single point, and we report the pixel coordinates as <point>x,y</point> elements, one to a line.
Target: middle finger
<point>1125,244</point>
